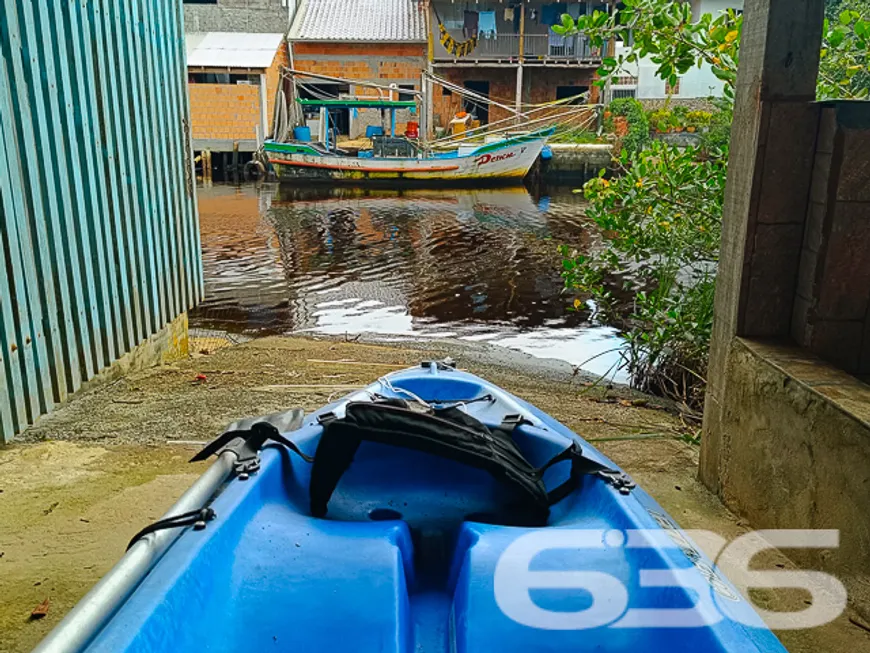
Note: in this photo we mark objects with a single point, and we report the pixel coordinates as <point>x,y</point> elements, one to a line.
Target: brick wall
<point>273,80</point>
<point>224,111</point>
<point>381,63</point>
<point>539,86</point>
<point>502,87</point>
<point>540,83</point>
<point>369,62</point>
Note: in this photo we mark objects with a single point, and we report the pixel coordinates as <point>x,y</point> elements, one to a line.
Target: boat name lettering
<point>483,159</point>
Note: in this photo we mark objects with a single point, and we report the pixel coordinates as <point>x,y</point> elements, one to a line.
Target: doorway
<point>339,119</point>
<point>478,109</point>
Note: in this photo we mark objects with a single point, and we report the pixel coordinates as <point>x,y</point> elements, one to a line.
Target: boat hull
<point>401,563</point>
<point>502,163</point>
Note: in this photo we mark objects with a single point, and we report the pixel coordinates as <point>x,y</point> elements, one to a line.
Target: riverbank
<point>87,477</point>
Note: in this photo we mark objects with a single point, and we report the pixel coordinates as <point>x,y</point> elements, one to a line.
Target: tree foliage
<point>638,123</point>
<point>660,215</point>
<point>844,69</point>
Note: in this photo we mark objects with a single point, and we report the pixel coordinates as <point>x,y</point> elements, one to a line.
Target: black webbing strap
<point>448,433</point>
<point>248,443</point>
<point>192,518</point>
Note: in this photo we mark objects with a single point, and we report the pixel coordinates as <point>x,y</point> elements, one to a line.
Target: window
<point>672,90</point>
<point>407,97</point>
<point>446,92</point>
<point>565,92</point>
<point>222,78</point>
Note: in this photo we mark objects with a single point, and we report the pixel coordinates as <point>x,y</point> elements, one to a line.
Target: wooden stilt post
<point>236,162</point>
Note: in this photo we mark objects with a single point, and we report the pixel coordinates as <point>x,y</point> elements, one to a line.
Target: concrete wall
<point>798,454</point>
<point>266,16</point>
<point>832,305</point>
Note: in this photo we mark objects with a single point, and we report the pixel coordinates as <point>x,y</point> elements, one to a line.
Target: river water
<point>474,265</point>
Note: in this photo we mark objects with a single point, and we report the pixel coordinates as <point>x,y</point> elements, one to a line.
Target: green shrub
<point>699,119</point>
<point>638,124</point>
<point>680,113</point>
<point>662,120</point>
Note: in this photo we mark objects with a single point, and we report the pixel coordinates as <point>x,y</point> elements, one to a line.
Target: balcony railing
<point>545,47</point>
<point>504,46</point>
<point>537,47</point>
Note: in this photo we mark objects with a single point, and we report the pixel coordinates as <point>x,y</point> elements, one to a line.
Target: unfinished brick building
<point>232,81</point>
<point>381,41</point>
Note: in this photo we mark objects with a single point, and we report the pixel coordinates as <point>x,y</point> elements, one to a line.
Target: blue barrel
<point>372,131</point>
<point>546,153</point>
<point>302,133</point>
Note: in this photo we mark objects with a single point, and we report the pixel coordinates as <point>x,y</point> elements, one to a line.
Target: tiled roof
<point>231,49</point>
<point>360,20</point>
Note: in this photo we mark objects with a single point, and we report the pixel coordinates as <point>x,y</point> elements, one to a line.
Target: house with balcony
<point>517,59</point>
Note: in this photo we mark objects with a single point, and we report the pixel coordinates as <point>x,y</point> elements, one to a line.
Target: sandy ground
<point>87,477</point>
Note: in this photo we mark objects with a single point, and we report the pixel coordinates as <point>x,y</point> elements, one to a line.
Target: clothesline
<point>484,24</point>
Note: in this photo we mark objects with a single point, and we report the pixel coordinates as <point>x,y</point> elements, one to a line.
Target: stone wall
<point>261,16</point>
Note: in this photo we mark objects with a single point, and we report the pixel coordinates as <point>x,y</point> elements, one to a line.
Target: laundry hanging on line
<point>470,24</point>
<point>454,47</point>
<point>486,25</point>
<point>508,14</point>
<point>552,14</point>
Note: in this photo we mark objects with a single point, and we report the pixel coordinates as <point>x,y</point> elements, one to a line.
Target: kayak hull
<point>401,563</point>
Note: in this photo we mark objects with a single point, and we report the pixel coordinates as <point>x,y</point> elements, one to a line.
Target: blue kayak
<point>429,512</point>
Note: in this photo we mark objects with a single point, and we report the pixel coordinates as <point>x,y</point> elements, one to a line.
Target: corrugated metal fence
<point>100,236</point>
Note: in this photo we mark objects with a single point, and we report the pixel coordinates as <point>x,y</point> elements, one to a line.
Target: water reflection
<point>478,265</point>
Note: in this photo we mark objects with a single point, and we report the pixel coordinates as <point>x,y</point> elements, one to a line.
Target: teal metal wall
<point>100,237</point>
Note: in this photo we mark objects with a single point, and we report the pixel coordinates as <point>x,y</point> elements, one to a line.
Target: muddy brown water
<point>473,265</point>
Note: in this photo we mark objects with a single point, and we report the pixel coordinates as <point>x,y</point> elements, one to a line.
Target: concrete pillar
<point>772,144</point>
<point>519,99</point>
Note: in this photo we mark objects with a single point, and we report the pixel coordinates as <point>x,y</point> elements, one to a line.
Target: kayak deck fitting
<point>410,554</point>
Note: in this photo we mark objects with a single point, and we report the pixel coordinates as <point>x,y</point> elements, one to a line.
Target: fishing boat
<point>306,149</point>
<point>506,160</point>
<point>429,511</point>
